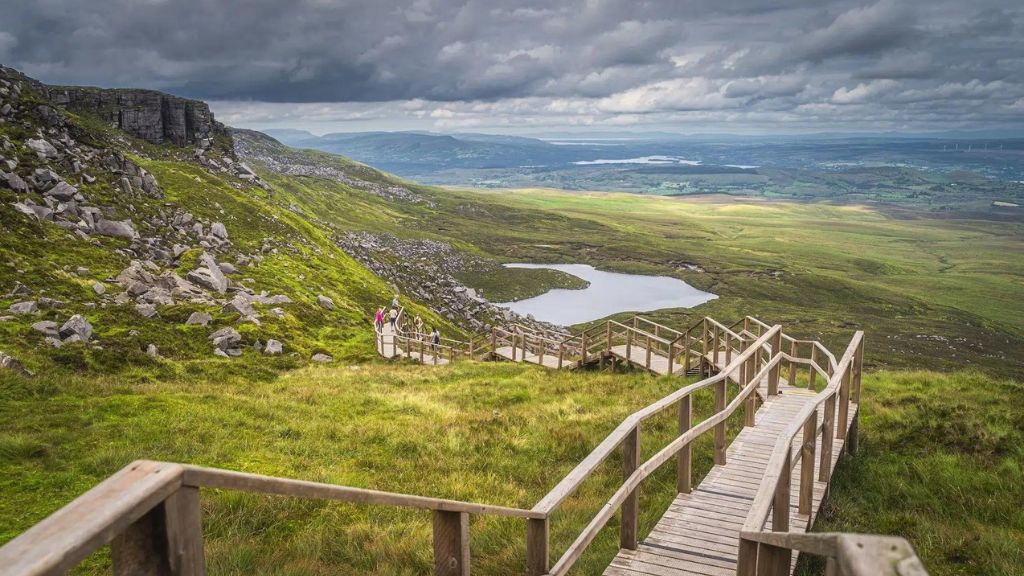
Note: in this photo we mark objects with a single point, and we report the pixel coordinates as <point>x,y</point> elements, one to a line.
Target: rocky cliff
<point>147,114</point>
<point>152,116</point>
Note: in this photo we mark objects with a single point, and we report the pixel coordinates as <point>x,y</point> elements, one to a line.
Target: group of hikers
<point>392,317</point>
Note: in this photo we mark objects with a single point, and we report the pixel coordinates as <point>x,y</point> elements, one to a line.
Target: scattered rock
<point>78,326</point>
<point>325,302</point>
<point>45,302</point>
<point>322,358</point>
<point>9,362</point>
<point>63,192</point>
<point>42,148</point>
<point>24,308</point>
<point>198,319</point>
<point>146,310</point>
<point>14,182</point>
<point>226,338</point>
<point>98,288</point>
<point>116,228</point>
<point>273,348</point>
<point>52,341</point>
<point>209,275</point>
<point>152,351</point>
<point>47,327</point>
<point>239,305</point>
<point>227,268</point>
<point>218,230</point>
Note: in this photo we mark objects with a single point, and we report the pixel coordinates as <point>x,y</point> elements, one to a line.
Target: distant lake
<point>609,293</point>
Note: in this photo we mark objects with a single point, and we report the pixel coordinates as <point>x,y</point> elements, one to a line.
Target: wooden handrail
<point>201,477</point>
<point>601,452</point>
<point>632,482</point>
<point>855,554</point>
<point>125,502</point>
<point>773,492</point>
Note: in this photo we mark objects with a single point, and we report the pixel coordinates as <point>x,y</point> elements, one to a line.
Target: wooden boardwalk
<point>548,360</point>
<point>391,346</point>
<point>699,533</point>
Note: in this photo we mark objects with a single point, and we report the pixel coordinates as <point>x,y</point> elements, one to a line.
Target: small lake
<point>609,293</point>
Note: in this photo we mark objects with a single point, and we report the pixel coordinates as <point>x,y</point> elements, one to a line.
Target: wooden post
<point>609,337</point>
<point>858,369</point>
<point>792,363</point>
<point>749,409</point>
<point>561,354</point>
<point>813,374</point>
<point>648,353</point>
<point>451,543</point>
<point>684,458</point>
<point>494,340</point>
<point>704,340</point>
<point>773,374</point>
<point>720,427</point>
<point>844,403</point>
<point>671,356</point>
<point>537,552</point>
<point>540,353</point>
<point>583,346</point>
<point>166,541</point>
<point>728,349</point>
<point>853,438</point>
<point>744,364</point>
<point>714,350</point>
<point>686,353</point>
<point>513,346</point>
<point>771,560</point>
<point>828,423</point>
<point>746,558</point>
<point>630,513</point>
<point>807,449</point>
<point>184,525</point>
<point>629,345</point>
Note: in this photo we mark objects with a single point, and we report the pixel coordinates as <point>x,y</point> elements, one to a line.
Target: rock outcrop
<point>152,116</point>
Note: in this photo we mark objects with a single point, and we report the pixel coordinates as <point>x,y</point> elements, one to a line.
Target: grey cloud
<point>586,61</point>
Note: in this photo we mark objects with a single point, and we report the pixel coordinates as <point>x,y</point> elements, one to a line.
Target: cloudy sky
<point>749,66</point>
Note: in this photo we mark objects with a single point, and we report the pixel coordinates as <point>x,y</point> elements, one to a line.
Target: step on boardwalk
<point>750,515</point>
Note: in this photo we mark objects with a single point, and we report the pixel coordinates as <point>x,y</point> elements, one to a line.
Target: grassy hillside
<point>932,467</point>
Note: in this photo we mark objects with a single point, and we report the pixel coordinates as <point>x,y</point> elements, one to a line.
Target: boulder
<point>226,338</point>
<point>99,289</point>
<point>227,268</point>
<point>45,302</point>
<point>239,305</point>
<point>208,275</point>
<point>14,182</point>
<point>117,229</point>
<point>47,327</point>
<point>325,302</point>
<point>146,310</point>
<point>322,358</point>
<point>273,348</point>
<point>152,351</point>
<point>42,148</point>
<point>198,319</point>
<point>63,192</point>
<point>78,326</point>
<point>8,362</point>
<point>135,273</point>
<point>218,230</point>
<point>24,308</point>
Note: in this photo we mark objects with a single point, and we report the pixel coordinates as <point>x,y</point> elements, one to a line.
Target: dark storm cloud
<point>581,61</point>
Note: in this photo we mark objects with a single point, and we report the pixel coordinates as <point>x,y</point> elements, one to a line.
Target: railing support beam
<point>630,516</point>
<point>537,552</point>
<point>720,427</point>
<point>684,458</point>
<point>166,541</point>
<point>807,449</point>
<point>451,543</point>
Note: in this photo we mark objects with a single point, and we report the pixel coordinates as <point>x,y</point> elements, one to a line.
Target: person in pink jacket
<point>379,320</point>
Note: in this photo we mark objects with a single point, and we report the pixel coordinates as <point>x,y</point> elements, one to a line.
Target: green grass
<point>492,433</point>
<point>941,463</point>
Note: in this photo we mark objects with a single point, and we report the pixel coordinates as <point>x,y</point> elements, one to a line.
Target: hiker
<point>435,337</point>
<point>393,316</point>
<point>378,321</point>
<point>394,301</point>
<point>418,323</point>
